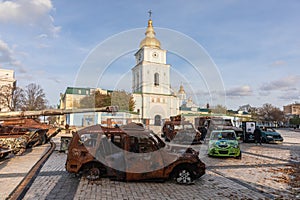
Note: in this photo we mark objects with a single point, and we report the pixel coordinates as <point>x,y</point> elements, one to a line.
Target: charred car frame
<point>130,153</point>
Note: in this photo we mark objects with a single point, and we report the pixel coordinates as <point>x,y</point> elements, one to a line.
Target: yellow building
<point>72,96</point>
<point>293,109</point>
<point>71,100</point>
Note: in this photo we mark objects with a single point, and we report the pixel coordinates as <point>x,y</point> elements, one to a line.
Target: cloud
<point>285,83</point>
<point>278,63</point>
<point>32,12</point>
<point>55,79</point>
<point>290,96</point>
<point>239,91</point>
<point>6,55</point>
<point>264,93</point>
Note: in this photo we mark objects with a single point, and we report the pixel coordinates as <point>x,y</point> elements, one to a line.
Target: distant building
<point>187,106</point>
<point>245,108</point>
<point>292,109</point>
<point>71,100</point>
<point>181,95</point>
<point>73,95</point>
<point>7,81</point>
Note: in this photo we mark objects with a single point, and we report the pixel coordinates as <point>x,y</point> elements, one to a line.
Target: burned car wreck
<point>180,131</point>
<point>130,153</point>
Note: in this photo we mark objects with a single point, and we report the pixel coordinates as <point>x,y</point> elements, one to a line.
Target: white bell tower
<point>151,80</point>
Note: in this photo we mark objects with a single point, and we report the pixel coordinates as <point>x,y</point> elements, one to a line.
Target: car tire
<point>239,156</point>
<point>44,139</point>
<point>184,175</point>
<point>93,171</point>
<point>263,140</point>
<point>166,139</point>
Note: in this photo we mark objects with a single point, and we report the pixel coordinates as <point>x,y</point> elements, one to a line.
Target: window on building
<point>156,79</point>
<point>137,79</point>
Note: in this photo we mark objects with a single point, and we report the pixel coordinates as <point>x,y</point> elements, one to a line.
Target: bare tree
<point>11,97</point>
<point>270,113</point>
<point>17,99</point>
<point>34,97</point>
<point>219,109</point>
<point>122,99</point>
<point>254,113</point>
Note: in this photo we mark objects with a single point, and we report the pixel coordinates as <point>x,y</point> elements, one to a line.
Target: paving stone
<point>255,176</point>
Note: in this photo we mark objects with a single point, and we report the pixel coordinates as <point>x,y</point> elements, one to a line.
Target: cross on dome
<point>150,13</point>
<point>150,40</point>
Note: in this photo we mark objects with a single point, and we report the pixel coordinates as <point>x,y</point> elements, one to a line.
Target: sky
<point>229,52</point>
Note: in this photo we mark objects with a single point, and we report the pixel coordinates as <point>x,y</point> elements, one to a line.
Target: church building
<point>154,99</point>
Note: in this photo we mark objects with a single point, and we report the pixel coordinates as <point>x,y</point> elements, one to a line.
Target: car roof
<point>178,122</point>
<point>131,129</point>
<point>223,131</point>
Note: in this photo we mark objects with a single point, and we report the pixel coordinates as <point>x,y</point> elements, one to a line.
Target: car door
<point>143,159</point>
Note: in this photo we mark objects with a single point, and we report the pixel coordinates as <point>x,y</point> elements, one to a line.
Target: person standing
<point>257,135</point>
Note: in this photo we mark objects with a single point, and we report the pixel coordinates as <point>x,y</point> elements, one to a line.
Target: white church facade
<point>154,99</point>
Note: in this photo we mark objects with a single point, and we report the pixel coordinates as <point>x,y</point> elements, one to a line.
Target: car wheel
<point>167,139</point>
<point>43,139</point>
<point>263,140</point>
<point>93,173</point>
<point>239,156</point>
<point>184,175</point>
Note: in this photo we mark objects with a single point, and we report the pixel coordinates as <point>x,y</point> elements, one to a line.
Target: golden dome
<point>150,40</point>
<point>181,90</point>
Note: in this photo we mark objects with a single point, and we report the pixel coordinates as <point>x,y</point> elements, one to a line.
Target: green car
<point>224,143</point>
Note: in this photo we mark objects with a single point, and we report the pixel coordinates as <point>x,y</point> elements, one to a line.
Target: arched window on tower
<point>137,80</point>
<point>156,79</point>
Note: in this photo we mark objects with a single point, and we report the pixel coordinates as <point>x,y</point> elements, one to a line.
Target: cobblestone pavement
<point>260,174</point>
<point>264,168</point>
<point>14,169</point>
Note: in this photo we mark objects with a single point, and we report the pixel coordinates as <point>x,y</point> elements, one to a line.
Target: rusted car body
<point>18,134</point>
<point>130,153</point>
<point>181,132</point>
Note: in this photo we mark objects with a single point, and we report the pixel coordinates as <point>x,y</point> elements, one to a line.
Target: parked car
<point>224,143</point>
<point>181,132</point>
<point>217,123</point>
<point>130,153</point>
<point>269,135</point>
